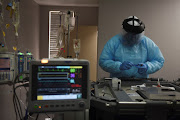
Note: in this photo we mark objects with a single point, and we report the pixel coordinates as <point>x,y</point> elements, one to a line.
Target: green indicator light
<point>35,106</point>
<point>29,54</point>
<point>21,77</point>
<point>21,53</point>
<point>72,70</point>
<point>20,58</point>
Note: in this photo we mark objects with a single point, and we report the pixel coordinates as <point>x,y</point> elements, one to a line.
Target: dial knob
<point>81,104</point>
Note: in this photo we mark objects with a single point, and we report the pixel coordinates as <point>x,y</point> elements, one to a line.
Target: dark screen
<point>4,64</point>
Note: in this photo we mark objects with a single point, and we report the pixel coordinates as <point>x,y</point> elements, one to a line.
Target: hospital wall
<point>28,40</point>
<point>28,30</point>
<point>161,18</point>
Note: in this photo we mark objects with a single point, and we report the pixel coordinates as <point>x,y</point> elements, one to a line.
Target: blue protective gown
<point>115,52</point>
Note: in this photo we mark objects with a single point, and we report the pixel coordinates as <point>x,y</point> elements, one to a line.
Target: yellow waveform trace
<point>76,67</point>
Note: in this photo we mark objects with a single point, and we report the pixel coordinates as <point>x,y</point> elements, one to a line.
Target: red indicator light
<point>46,106</point>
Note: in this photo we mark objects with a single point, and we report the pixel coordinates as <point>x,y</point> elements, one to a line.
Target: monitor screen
<point>59,85</point>
<point>58,82</point>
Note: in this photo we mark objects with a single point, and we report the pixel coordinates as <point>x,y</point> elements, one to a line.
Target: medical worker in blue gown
<point>131,54</point>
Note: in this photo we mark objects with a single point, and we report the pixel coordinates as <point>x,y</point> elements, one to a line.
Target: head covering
<point>133,25</point>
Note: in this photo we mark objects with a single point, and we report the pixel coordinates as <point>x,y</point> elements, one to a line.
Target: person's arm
<point>107,59</point>
<point>155,59</point>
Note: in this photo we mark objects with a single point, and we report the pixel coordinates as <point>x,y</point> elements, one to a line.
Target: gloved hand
<point>126,65</point>
<point>142,68</point>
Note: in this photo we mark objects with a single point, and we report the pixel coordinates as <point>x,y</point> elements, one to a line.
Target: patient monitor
<point>59,85</point>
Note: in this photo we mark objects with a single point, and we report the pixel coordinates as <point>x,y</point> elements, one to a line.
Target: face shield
<point>133,30</point>
<point>131,39</point>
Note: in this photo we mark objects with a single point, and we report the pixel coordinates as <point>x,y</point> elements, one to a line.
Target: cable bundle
<point>16,101</point>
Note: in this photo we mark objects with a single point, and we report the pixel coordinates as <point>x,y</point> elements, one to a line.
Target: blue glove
<point>126,65</point>
<point>142,68</point>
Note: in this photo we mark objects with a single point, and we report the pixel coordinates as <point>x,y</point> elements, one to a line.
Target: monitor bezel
<point>70,62</point>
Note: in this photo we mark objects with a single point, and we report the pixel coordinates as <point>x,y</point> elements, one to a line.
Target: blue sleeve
<point>107,59</point>
<point>155,59</point>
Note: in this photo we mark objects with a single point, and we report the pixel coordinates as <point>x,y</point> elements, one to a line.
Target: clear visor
<point>130,38</point>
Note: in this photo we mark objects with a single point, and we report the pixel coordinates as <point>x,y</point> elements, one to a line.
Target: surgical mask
<point>131,39</point>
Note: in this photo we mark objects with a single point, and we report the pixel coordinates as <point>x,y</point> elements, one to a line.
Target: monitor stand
<point>72,115</point>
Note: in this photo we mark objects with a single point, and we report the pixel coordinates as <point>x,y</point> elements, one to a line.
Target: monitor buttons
<point>57,105</point>
<point>51,105</point>
<point>67,105</point>
<point>46,106</point>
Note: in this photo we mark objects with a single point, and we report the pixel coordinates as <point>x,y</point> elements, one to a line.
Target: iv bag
<point>59,39</point>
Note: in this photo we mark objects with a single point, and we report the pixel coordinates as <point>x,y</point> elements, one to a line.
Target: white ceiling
<point>68,2</point>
